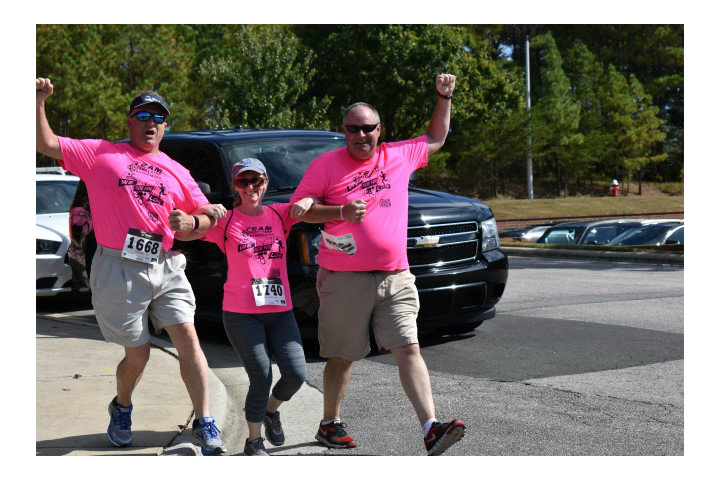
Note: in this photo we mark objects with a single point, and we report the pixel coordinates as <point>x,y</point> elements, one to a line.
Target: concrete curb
<point>641,257</point>
<point>182,444</point>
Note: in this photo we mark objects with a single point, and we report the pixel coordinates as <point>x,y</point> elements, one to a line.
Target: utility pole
<point>527,103</point>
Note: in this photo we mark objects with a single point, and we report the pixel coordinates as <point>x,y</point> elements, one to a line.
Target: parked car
<point>654,234</point>
<point>53,171</point>
<point>533,234</point>
<point>53,194</point>
<point>522,234</point>
<point>598,232</point>
<point>453,245</point>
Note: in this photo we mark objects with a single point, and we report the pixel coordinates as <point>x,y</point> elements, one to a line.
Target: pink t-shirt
<point>382,181</point>
<point>256,251</point>
<point>128,188</point>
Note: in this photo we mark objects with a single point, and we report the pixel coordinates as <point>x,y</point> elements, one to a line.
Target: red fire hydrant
<point>614,188</point>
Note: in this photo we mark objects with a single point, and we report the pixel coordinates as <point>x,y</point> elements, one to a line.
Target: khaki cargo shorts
<point>126,292</point>
<point>350,302</point>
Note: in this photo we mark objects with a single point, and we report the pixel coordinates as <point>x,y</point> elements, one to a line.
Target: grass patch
<point>674,249</point>
<point>506,209</point>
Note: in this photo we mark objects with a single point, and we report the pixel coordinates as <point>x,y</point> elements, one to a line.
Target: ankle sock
<point>428,425</point>
<point>328,422</point>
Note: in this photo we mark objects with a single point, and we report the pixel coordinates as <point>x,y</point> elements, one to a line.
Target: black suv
<point>452,241</point>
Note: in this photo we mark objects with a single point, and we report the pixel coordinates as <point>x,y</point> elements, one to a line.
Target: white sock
<point>428,424</point>
<point>328,422</point>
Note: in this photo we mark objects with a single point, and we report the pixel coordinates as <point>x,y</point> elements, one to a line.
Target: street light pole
<point>529,137</point>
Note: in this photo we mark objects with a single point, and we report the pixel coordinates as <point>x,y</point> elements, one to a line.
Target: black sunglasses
<point>364,128</point>
<point>145,116</point>
<point>255,181</point>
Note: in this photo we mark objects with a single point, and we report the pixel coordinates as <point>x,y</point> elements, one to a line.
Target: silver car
<point>53,194</point>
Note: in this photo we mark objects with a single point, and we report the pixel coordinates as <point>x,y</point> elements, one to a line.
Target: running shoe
<point>333,435</point>
<point>208,434</point>
<point>255,448</point>
<point>118,431</point>
<point>442,436</point>
<point>273,429</point>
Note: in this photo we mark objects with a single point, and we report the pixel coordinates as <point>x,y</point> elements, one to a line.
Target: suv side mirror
<point>204,188</point>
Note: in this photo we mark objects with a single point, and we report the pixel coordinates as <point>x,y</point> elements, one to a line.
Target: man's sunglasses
<point>364,128</point>
<point>255,182</point>
<point>145,116</point>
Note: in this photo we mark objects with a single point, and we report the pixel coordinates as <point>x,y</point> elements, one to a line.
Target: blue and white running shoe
<point>118,431</point>
<point>208,434</point>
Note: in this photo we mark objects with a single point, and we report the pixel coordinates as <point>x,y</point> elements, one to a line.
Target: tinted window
<point>601,235</point>
<point>647,235</point>
<point>564,236</point>
<point>678,236</point>
<point>285,159</point>
<point>53,197</point>
<point>200,159</point>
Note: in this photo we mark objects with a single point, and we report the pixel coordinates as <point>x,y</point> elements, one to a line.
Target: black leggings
<point>255,337</point>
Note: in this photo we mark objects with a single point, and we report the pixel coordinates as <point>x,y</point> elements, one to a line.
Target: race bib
<point>268,291</point>
<point>343,243</point>
<point>142,246</point>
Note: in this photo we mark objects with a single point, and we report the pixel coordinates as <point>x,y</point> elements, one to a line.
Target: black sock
<point>270,414</point>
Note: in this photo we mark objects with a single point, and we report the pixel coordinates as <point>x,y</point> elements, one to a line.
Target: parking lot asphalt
<point>75,374</point>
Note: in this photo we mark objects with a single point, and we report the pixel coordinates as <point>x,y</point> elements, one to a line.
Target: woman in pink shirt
<point>257,309</point>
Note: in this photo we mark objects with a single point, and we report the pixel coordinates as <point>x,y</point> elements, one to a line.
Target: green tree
<point>555,119</point>
<point>261,79</point>
<point>633,122</point>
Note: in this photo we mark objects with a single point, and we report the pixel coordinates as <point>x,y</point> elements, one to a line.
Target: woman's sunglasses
<point>255,182</point>
<point>364,128</point>
<point>145,116</point>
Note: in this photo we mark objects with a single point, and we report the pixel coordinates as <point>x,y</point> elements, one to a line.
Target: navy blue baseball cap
<point>147,98</point>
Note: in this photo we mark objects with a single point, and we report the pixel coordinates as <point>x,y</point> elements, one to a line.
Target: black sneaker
<point>255,448</point>
<point>333,435</point>
<point>273,429</point>
<point>442,436</point>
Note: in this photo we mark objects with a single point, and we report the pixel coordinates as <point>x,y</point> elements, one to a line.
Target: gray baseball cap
<point>248,164</point>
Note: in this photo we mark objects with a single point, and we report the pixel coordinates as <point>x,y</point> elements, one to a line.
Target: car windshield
<point>285,159</point>
<point>54,196</point>
<point>646,235</point>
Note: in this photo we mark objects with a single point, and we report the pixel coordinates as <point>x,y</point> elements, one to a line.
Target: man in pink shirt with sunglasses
<point>364,277</point>
<point>140,200</point>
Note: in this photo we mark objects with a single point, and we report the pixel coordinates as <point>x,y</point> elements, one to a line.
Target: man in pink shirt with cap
<point>364,277</point>
<point>140,200</point>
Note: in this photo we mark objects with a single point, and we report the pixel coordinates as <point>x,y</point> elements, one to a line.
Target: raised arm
<point>440,121</point>
<point>46,141</point>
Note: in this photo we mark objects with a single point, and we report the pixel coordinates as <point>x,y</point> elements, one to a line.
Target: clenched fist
<point>445,83</point>
<point>354,211</point>
<point>180,221</point>
<point>43,89</point>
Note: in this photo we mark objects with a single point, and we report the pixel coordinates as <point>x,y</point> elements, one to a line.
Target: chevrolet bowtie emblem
<point>429,241</point>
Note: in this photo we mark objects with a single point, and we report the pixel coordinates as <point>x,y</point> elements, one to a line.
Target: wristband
<point>341,215</point>
<point>446,97</point>
<point>196,222</point>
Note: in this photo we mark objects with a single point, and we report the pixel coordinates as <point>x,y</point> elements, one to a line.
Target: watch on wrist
<point>446,97</point>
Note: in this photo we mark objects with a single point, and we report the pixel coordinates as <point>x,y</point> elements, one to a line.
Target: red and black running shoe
<point>333,435</point>
<point>442,436</point>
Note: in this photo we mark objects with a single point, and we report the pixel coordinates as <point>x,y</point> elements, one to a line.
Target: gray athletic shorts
<point>126,292</point>
<point>352,301</point>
